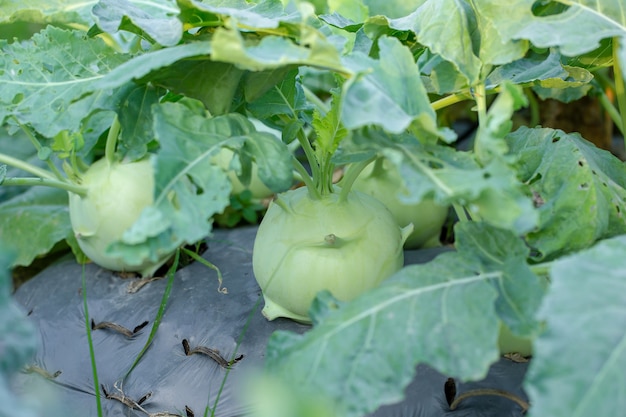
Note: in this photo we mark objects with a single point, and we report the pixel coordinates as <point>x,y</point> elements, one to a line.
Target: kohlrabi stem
<point>480,97</point>
<point>38,147</point>
<point>351,176</point>
<point>29,182</point>
<point>620,89</point>
<point>111,143</point>
<point>306,179</point>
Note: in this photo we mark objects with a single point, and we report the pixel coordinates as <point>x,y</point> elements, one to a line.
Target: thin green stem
<point>611,110</point>
<point>25,166</point>
<point>310,155</point>
<point>111,143</point>
<point>92,354</point>
<point>200,259</point>
<point>29,182</point>
<point>351,175</point>
<point>325,184</point>
<point>620,89</point>
<point>450,100</point>
<point>460,212</point>
<point>480,97</point>
<point>306,179</point>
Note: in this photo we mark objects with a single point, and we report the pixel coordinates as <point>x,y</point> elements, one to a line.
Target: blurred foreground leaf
<point>578,363</point>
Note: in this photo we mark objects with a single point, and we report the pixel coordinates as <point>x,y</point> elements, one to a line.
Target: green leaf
<point>435,22</point>
<point>48,81</point>
<point>580,190</point>
<point>33,222</point>
<point>136,119</point>
<point>329,129</point>
<point>579,29</point>
<point>266,14</point>
<point>60,12</point>
<point>584,314</point>
<point>286,97</point>
<point>534,68</point>
<point>272,158</point>
<point>213,83</point>
<point>520,291</point>
<point>387,92</point>
<point>438,75</point>
<point>272,52</point>
<point>495,49</point>
<point>443,312</point>
<point>576,85</point>
<point>143,65</point>
<point>256,84</point>
<point>154,20</point>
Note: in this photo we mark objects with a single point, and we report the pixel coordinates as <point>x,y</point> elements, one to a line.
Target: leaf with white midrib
<point>49,81</point>
<point>425,307</point>
<point>445,313</point>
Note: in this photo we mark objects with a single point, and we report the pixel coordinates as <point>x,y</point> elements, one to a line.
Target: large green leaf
<point>434,23</point>
<point>48,82</point>
<point>33,222</point>
<point>443,312</point>
<point>387,92</point>
<point>578,363</point>
<point>580,190</point>
<point>578,29</point>
<point>154,20</point>
<point>213,83</point>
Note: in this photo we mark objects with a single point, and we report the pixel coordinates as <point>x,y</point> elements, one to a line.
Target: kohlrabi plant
<point>322,237</point>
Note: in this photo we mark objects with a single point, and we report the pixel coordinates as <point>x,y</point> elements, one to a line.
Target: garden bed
<point>205,317</point>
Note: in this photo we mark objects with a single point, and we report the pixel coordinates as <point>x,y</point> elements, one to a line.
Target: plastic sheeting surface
<point>197,312</point>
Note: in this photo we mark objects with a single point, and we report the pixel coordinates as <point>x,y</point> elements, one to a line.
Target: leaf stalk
<point>620,89</point>
<point>29,182</point>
